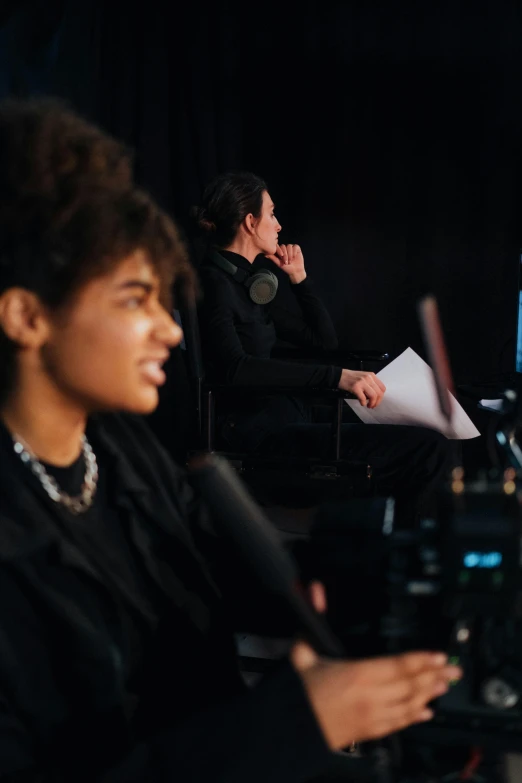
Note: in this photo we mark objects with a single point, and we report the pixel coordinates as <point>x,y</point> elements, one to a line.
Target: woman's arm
<point>314,328</point>
<point>230,362</point>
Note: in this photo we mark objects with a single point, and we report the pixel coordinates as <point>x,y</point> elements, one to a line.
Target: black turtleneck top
<point>238,337</point>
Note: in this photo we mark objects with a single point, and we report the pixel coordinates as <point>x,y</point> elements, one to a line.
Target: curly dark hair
<point>69,210</point>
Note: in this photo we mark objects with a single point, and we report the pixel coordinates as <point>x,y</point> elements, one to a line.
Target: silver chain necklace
<point>78,504</point>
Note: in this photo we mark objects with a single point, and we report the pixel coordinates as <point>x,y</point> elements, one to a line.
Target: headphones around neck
<point>262,285</point>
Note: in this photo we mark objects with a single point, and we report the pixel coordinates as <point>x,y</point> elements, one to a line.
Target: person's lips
<point>152,370</point>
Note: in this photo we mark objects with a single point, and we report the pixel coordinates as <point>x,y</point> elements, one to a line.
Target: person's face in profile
<point>107,349</point>
<point>267,227</point>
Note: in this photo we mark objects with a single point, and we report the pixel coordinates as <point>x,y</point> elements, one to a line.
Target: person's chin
<point>143,403</point>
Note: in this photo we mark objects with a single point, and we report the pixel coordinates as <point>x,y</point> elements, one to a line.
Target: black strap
<point>227,266</point>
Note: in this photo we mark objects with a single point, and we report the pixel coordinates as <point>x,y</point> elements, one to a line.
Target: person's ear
<point>23,319</point>
<point>250,223</point>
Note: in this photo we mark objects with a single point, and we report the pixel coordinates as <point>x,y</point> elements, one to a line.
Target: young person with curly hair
<point>117,662</point>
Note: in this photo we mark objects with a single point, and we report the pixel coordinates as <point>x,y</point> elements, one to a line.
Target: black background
<point>389,134</point>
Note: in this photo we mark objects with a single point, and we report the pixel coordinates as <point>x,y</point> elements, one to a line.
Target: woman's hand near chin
<point>290,259</point>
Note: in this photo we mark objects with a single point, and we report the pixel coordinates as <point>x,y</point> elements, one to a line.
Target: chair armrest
<point>369,355</point>
<point>296,391</point>
<point>331,357</point>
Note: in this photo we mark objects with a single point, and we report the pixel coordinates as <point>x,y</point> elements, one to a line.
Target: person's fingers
<point>391,668</point>
<point>402,701</point>
<point>378,398</point>
<point>275,259</point>
<point>419,696</point>
<point>363,700</point>
<point>284,254</point>
<point>423,716</point>
<point>415,662</point>
<point>370,393</point>
<point>358,390</point>
<point>366,390</point>
<point>387,722</point>
<point>411,709</point>
<point>303,656</point>
<point>403,720</point>
<point>404,689</point>
<point>430,683</point>
<point>373,393</point>
<point>318,596</point>
<point>451,673</point>
<point>295,252</point>
<point>380,384</point>
<point>417,689</point>
<point>374,383</point>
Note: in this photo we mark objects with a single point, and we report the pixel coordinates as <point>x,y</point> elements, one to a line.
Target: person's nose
<point>167,330</point>
<point>279,227</point>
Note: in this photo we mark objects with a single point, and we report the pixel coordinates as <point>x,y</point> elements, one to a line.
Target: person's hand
<point>365,700</point>
<point>368,389</point>
<point>290,259</point>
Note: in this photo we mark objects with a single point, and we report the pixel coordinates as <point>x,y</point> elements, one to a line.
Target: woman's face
<point>267,227</point>
<point>106,352</point>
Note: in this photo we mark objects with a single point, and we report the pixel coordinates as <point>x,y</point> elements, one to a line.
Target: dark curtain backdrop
<point>389,133</point>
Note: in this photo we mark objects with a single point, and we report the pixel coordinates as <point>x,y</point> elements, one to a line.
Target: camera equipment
<point>453,582</point>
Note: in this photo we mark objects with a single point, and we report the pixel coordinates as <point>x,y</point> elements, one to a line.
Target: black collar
<point>235,258</point>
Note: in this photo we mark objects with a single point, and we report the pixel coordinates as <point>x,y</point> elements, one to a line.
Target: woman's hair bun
<point>200,216</point>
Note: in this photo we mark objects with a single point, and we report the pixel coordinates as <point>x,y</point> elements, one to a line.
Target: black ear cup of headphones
<point>262,286</point>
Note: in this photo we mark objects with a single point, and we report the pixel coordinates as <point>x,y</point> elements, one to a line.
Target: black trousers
<point>409,463</point>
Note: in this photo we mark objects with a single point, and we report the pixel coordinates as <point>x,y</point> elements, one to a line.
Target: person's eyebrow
<point>147,287</point>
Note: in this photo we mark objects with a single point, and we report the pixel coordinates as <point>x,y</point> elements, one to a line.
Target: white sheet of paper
<point>411,398</point>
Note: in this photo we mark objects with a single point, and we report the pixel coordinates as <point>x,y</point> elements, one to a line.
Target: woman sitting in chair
<point>240,321</point>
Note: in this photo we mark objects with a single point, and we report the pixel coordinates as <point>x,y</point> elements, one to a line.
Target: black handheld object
<point>244,522</point>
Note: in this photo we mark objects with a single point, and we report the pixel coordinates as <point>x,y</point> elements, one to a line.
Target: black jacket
<point>238,337</point>
<point>65,712</point>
